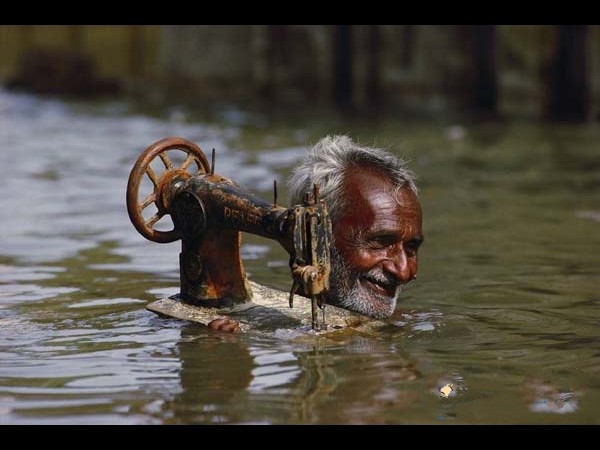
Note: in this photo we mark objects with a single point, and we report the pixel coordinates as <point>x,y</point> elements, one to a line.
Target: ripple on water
<point>503,294</point>
<point>19,293</point>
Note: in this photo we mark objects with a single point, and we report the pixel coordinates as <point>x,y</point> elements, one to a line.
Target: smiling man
<point>376,222</point>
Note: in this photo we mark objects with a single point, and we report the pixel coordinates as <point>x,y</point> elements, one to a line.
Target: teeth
<point>384,283</point>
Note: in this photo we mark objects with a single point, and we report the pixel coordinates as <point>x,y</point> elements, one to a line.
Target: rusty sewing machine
<point>209,211</point>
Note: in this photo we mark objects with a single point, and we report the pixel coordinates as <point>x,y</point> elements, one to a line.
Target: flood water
<point>502,325</point>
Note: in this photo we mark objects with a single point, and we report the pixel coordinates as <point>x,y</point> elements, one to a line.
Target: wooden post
<point>407,45</point>
<point>485,82</point>
<point>277,44</point>
<point>342,66</point>
<point>568,78</point>
<point>373,76</point>
<point>480,85</point>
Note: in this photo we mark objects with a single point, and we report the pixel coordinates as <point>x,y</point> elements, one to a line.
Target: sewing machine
<point>209,212</point>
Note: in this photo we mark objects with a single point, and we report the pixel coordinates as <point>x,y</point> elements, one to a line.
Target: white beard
<point>349,293</point>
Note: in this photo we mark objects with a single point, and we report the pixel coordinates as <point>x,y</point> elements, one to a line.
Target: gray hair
<point>330,158</point>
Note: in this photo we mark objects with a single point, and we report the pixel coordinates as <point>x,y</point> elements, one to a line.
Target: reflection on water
<point>502,326</point>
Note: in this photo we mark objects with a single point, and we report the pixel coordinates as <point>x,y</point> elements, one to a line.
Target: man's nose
<point>400,266</point>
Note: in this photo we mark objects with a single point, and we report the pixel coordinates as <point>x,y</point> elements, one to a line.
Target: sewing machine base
<point>268,312</point>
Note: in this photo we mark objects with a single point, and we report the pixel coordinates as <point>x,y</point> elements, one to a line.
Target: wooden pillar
<point>342,66</point>
<point>568,89</point>
<point>407,46</point>
<point>276,56</point>
<point>373,76</point>
<point>480,80</point>
<point>485,80</point>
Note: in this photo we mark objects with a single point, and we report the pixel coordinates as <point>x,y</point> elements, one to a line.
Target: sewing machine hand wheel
<point>162,182</point>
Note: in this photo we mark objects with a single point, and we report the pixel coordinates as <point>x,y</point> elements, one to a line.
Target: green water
<point>503,318</point>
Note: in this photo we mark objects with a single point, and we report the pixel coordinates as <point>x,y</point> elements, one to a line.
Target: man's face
<point>376,243</point>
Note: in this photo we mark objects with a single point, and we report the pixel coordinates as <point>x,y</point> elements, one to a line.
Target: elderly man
<point>376,223</point>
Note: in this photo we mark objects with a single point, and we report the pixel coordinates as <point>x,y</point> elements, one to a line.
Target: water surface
<point>501,326</point>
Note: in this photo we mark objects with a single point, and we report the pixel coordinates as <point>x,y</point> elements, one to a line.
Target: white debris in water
<point>594,215</point>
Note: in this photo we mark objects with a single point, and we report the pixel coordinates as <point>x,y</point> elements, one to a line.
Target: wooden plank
<point>269,312</point>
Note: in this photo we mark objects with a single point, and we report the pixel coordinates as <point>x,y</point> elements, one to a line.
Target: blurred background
<point>481,71</point>
<point>500,123</point>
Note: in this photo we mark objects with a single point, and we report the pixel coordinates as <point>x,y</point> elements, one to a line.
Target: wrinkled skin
<point>376,244</point>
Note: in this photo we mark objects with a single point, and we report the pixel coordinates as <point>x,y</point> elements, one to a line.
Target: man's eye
<point>382,241</point>
<point>412,246</point>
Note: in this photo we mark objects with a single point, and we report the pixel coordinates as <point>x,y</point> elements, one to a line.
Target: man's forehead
<point>372,197</point>
<point>372,184</point>
<point>365,178</point>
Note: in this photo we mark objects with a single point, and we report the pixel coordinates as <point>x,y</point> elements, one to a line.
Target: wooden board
<point>269,311</point>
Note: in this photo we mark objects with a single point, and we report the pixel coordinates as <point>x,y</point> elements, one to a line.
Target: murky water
<point>502,325</point>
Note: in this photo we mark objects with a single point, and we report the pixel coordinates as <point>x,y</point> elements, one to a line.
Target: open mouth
<point>384,288</point>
